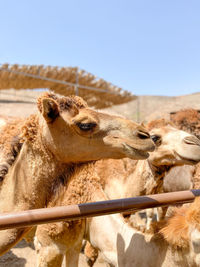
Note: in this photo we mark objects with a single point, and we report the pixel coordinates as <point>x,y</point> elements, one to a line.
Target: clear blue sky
<point>144,46</point>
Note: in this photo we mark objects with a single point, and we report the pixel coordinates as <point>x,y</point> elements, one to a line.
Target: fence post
<point>76,86</point>
<point>138,109</point>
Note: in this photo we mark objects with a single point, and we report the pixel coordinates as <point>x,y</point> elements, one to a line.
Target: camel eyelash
<point>86,126</point>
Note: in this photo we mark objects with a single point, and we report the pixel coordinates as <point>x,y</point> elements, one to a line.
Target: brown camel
<point>62,134</point>
<point>53,241</point>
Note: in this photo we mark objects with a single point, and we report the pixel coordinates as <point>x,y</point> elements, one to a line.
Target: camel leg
<point>161,212</point>
<point>53,241</point>
<point>75,241</point>
<point>72,255</point>
<point>150,216</point>
<point>91,253</point>
<point>9,238</point>
<point>50,255</point>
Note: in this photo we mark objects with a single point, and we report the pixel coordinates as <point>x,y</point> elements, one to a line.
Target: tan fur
<point>176,230</point>
<point>158,124</point>
<point>138,177</point>
<point>189,120</point>
<point>56,140</point>
<point>196,177</point>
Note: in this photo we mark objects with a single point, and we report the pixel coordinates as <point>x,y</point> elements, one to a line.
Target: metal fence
<point>74,212</point>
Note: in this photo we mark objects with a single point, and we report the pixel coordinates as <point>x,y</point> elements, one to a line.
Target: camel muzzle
<point>192,140</point>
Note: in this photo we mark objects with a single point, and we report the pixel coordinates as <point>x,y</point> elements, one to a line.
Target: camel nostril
<point>192,140</point>
<point>143,135</point>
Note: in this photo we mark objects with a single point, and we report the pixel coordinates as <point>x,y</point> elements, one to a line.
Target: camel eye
<point>156,139</point>
<point>143,135</point>
<point>86,126</point>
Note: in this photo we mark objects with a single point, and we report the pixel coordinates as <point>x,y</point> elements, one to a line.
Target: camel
<point>184,177</point>
<point>174,242</point>
<point>64,133</point>
<point>189,120</point>
<point>180,177</point>
<point>53,241</point>
<point>187,176</point>
<point>122,180</point>
<point>122,175</point>
<point>173,148</point>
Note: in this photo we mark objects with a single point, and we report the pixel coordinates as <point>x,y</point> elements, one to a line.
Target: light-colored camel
<point>62,134</point>
<point>53,241</point>
<point>176,241</point>
<point>184,177</point>
<point>147,177</point>
<point>180,177</point>
<point>173,148</point>
<point>128,178</point>
<point>189,120</point>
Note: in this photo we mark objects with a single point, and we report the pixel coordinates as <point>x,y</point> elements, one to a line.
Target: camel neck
<point>159,172</point>
<point>145,179</point>
<point>141,181</point>
<point>29,179</point>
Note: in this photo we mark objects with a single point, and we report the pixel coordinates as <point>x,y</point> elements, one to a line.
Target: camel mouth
<point>192,140</point>
<point>135,152</point>
<point>187,160</point>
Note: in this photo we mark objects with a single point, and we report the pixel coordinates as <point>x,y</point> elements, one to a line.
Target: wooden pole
<point>74,212</point>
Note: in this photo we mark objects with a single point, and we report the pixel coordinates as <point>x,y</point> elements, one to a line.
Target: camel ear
<point>143,124</point>
<point>50,109</point>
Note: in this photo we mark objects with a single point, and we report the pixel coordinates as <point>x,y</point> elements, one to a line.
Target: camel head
<point>75,133</point>
<point>173,147</point>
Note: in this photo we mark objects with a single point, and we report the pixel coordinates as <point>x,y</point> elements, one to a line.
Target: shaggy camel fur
<point>146,177</point>
<point>122,175</point>
<point>173,148</point>
<point>10,144</point>
<point>187,120</point>
<point>53,241</point>
<point>64,132</point>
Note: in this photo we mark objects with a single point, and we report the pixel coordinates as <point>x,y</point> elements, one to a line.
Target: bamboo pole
<point>63,81</point>
<point>74,212</point>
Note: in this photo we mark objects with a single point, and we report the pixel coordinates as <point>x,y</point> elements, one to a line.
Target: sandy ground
<point>23,255</point>
<point>22,103</point>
